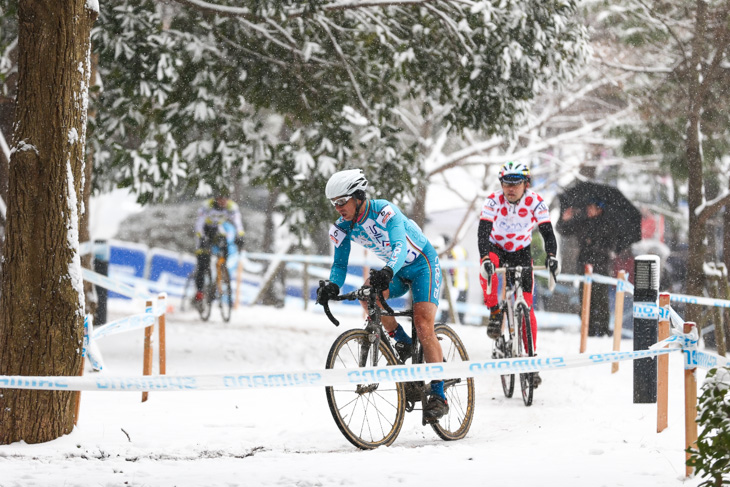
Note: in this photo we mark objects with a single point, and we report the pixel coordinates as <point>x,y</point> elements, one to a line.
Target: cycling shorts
<point>422,277</point>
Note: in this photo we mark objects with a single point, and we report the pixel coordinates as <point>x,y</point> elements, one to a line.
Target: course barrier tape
<point>321,378</point>
<point>646,310</point>
<point>675,320</point>
<point>678,340</point>
<point>695,358</point>
<point>112,285</point>
<point>90,351</point>
<point>134,322</point>
<point>683,298</point>
<point>623,285</point>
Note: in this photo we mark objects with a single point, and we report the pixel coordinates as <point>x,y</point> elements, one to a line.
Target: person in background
<point>410,261</point>
<point>506,223</point>
<point>217,217</point>
<point>459,276</point>
<point>596,243</point>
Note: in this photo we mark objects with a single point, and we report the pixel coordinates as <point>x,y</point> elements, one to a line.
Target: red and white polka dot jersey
<point>512,225</point>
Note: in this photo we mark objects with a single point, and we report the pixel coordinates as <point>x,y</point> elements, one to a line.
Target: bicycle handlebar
<point>362,294</point>
<point>502,270</point>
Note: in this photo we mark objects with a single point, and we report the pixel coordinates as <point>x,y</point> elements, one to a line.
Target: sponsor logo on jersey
<point>385,215</point>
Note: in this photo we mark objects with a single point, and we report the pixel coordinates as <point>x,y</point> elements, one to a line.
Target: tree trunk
<point>696,250</point>
<point>87,261</point>
<point>418,213</point>
<point>42,302</point>
<point>273,295</point>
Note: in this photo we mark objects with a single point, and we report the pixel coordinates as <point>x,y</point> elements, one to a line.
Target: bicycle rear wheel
<point>225,298</point>
<point>459,392</point>
<point>525,347</point>
<point>368,415</point>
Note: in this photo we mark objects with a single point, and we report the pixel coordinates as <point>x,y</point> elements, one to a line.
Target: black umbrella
<point>620,215</point>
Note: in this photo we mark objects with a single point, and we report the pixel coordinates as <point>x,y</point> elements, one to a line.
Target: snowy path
<point>583,429</point>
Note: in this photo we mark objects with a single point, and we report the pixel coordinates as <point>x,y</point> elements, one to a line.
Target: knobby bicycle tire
<point>206,304</point>
<point>225,298</point>
<point>508,380</point>
<point>188,291</point>
<point>368,415</point>
<point>524,338</point>
<point>459,392</point>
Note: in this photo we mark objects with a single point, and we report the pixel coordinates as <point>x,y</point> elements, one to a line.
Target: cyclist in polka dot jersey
<point>506,223</point>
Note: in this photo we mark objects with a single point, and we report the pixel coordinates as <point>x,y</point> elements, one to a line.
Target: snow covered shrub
<point>711,459</point>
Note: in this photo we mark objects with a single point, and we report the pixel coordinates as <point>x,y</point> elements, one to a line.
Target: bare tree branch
<point>636,69</point>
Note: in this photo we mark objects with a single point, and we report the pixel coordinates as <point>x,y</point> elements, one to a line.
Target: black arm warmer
<point>485,246</point>
<point>548,236</point>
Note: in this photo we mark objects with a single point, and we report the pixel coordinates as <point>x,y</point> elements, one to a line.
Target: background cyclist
<point>505,232</point>
<point>217,216</point>
<point>410,263</point>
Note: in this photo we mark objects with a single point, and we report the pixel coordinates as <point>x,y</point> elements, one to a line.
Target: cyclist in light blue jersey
<point>410,263</point>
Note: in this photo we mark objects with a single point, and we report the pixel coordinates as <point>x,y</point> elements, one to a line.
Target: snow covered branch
<point>226,11</point>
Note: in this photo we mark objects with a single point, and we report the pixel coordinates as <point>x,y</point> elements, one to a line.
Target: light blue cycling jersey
<point>384,230</point>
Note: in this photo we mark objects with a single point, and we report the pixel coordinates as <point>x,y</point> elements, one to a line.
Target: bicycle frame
<point>514,296</point>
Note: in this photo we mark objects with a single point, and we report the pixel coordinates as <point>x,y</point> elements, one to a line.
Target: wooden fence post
<point>162,300</point>
<point>618,319</point>
<point>690,406</point>
<point>586,307</point>
<point>147,354</point>
<point>662,403</point>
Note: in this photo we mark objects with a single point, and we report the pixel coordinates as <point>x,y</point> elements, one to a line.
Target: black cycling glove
<point>326,291</point>
<point>487,269</point>
<point>380,280</point>
<point>553,265</point>
<point>239,242</point>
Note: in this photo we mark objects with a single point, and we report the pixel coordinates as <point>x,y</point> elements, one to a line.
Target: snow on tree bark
<point>41,306</point>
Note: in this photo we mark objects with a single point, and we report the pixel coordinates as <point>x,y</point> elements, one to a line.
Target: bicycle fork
<point>370,352</point>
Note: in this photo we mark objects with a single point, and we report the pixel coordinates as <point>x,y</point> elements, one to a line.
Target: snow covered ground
<point>582,430</point>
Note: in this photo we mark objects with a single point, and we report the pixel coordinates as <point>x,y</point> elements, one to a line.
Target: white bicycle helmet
<point>345,183</point>
<point>514,172</point>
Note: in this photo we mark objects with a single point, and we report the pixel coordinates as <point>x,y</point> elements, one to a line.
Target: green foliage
<point>288,92</point>
<point>657,40</point>
<point>8,39</point>
<point>711,459</point>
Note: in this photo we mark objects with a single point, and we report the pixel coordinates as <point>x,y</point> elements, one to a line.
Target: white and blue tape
<point>320,378</point>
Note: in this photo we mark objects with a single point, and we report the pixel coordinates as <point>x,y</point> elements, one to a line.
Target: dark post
<point>101,266</point>
<point>646,317</point>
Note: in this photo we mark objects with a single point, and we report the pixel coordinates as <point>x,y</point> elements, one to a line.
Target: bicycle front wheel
<point>188,292</point>
<point>525,347</point>
<point>225,298</point>
<point>369,415</point>
<point>205,305</point>
<point>459,392</point>
<point>503,350</point>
